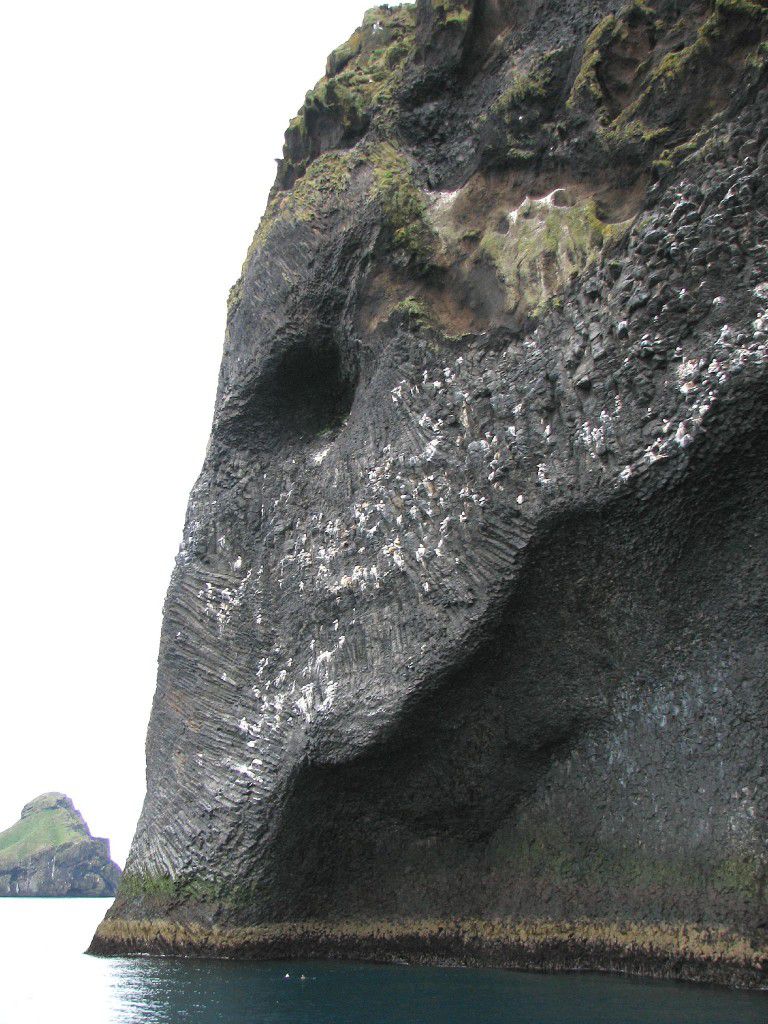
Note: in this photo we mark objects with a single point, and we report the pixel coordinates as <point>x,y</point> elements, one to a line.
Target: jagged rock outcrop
<point>51,852</point>
<point>464,654</point>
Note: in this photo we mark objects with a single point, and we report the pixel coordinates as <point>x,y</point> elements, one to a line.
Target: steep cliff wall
<point>464,654</point>
<point>51,852</point>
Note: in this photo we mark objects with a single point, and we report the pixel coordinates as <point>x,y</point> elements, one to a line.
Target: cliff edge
<point>51,852</point>
<point>464,654</point>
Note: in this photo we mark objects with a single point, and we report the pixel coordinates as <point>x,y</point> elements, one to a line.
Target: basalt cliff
<point>464,655</point>
<point>51,852</point>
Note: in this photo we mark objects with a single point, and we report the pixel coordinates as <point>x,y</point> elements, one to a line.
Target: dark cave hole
<point>305,390</point>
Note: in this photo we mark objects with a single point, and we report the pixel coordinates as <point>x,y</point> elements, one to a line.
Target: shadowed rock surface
<point>51,852</point>
<point>464,654</point>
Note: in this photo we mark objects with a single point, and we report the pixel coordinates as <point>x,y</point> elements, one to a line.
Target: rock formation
<point>51,852</point>
<point>464,655</point>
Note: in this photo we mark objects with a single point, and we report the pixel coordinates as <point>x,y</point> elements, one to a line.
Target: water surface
<point>45,977</point>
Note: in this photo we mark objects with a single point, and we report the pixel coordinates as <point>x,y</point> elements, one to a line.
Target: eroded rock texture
<point>464,655</point>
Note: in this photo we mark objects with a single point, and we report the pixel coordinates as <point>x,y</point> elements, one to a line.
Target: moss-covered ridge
<point>640,100</point>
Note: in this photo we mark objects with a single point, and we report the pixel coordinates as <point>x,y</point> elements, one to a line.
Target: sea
<point>45,977</point>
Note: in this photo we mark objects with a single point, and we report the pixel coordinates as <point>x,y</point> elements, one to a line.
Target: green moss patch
<point>402,205</point>
<point>586,85</point>
<point>453,12</point>
<point>546,244</point>
<point>328,176</point>
<point>162,893</point>
<point>163,889</point>
<point>415,313</point>
<point>527,102</point>
<point>547,854</point>
<point>703,52</point>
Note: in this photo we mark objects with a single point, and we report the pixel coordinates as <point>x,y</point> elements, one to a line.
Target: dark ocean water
<point>44,977</point>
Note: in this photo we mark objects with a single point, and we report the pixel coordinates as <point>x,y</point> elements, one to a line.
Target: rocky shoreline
<point>682,952</point>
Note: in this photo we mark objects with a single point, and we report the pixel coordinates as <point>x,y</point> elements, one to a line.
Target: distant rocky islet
<point>50,852</point>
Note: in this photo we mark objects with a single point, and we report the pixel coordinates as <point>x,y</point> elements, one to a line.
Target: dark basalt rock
<point>51,852</point>
<point>464,654</point>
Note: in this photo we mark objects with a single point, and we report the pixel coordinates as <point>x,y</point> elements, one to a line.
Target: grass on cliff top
<point>38,832</point>
<point>362,72</point>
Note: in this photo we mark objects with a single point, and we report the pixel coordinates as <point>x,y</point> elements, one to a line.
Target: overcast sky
<point>138,145</point>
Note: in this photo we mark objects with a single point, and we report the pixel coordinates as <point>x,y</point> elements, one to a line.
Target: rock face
<point>51,852</point>
<point>464,654</point>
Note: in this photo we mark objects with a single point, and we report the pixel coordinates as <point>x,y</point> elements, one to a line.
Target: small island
<point>50,852</point>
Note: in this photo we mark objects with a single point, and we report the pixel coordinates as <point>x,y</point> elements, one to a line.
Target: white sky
<point>138,145</point>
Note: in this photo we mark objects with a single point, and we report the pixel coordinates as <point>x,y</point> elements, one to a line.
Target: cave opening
<point>304,391</point>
